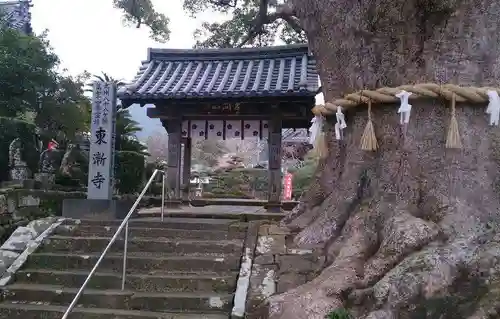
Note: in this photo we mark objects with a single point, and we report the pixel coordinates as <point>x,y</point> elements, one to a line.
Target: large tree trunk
<point>411,230</point>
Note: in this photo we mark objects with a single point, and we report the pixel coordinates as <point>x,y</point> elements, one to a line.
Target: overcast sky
<point>89,35</point>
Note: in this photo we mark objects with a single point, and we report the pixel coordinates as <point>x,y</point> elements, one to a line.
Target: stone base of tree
<point>278,266</point>
<point>410,230</point>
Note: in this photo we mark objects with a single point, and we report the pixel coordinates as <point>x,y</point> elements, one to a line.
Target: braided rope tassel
<point>369,140</point>
<point>320,147</point>
<point>453,139</point>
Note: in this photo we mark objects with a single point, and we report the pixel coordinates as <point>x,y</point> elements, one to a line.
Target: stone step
<point>153,232</point>
<point>177,223</point>
<point>229,212</point>
<point>117,299</point>
<point>37,311</point>
<point>161,245</point>
<point>136,262</point>
<point>165,282</point>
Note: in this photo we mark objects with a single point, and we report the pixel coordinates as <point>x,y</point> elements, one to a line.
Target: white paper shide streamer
<point>315,129</point>
<point>405,108</point>
<point>493,108</point>
<point>340,125</point>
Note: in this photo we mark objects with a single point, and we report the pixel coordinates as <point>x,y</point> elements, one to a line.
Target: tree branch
<point>284,12</point>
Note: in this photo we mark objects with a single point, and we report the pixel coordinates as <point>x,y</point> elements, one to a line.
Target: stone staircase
<point>181,268</point>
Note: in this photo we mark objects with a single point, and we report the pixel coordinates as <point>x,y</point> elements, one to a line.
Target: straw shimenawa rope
<point>449,92</point>
<point>424,90</point>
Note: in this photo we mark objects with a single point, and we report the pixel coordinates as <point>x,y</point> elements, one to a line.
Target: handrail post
<point>125,250</point>
<point>163,195</point>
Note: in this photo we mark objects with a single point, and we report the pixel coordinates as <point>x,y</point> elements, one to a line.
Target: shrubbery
<point>237,183</point>
<point>339,314</point>
<point>130,170</point>
<point>303,175</point>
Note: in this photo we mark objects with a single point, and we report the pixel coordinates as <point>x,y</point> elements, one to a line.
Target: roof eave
<point>227,54</point>
<point>201,97</point>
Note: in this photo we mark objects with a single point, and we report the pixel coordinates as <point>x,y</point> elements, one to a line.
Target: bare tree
<point>157,144</point>
<point>208,152</point>
<point>248,150</point>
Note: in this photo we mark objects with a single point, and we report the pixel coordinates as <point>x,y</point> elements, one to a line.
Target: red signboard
<point>287,187</point>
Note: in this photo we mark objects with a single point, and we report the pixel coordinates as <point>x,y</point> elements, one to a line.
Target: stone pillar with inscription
<point>101,156</point>
<point>186,172</point>
<point>274,144</point>
<point>174,129</point>
<point>99,203</point>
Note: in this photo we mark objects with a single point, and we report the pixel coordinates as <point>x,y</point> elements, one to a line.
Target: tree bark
<point>411,230</point>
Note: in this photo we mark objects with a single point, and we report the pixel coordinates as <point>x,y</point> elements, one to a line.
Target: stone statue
<point>73,163</point>
<point>46,169</point>
<point>18,168</point>
<point>46,163</point>
<point>38,139</point>
<point>15,152</point>
<point>66,163</point>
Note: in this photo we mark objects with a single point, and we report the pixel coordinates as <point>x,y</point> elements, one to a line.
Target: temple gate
<point>225,93</point>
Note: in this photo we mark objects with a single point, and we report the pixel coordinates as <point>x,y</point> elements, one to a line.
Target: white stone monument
<point>102,141</point>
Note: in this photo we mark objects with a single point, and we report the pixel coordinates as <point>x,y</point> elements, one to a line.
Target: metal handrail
<point>124,224</point>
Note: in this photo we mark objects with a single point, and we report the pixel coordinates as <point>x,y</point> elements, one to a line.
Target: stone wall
<point>18,207</point>
<point>21,202</point>
<point>278,266</point>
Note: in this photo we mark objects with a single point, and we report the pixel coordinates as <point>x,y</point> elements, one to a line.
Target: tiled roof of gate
<point>252,72</point>
<point>16,14</point>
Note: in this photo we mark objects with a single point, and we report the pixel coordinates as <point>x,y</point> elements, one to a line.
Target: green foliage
<point>11,129</point>
<point>130,172</point>
<point>156,186</point>
<point>302,177</point>
<point>150,168</point>
<point>26,68</point>
<point>339,314</point>
<point>229,33</point>
<point>232,32</point>
<point>66,181</point>
<point>63,110</point>
<point>107,78</point>
<point>32,90</point>
<point>237,183</point>
<point>139,12</point>
<point>126,130</point>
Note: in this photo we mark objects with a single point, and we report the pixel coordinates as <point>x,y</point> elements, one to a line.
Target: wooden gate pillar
<point>274,144</point>
<point>186,174</point>
<point>174,128</point>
